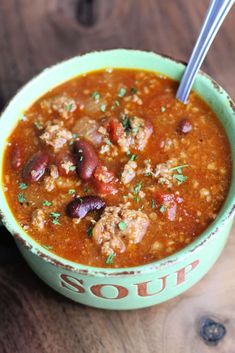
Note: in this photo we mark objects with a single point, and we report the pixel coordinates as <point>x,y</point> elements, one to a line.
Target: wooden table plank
<point>34,318</point>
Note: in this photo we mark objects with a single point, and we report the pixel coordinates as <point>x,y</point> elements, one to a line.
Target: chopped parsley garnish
<point>108,142</point>
<point>55,217</point>
<point>103,108</point>
<point>47,247</point>
<point>75,136</point>
<point>126,123</point>
<point>23,186</point>
<point>73,167</point>
<point>71,191</point>
<point>85,189</point>
<point>89,232</point>
<point>122,92</point>
<point>179,168</point>
<point>137,198</point>
<point>21,198</point>
<point>162,180</point>
<point>133,90</point>
<point>135,129</point>
<point>180,178</point>
<point>137,187</point>
<point>69,107</point>
<point>95,95</point>
<point>47,203</point>
<point>38,125</point>
<point>122,225</point>
<point>132,157</point>
<point>153,204</point>
<point>162,209</point>
<point>163,109</point>
<point>117,103</point>
<point>109,259</point>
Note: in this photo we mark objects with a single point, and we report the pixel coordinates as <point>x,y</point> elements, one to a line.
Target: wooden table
<point>35,319</point>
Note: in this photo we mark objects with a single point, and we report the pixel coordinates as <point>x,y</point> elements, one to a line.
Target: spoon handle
<point>215,15</point>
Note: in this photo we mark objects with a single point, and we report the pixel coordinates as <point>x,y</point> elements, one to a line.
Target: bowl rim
<point>21,236</point>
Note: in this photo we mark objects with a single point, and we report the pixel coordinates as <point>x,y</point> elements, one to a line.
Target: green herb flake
<point>55,217</point>
<point>137,187</point>
<point>134,90</point>
<point>163,109</point>
<point>95,95</point>
<point>47,203</point>
<point>126,123</point>
<point>153,203</point>
<point>89,232</point>
<point>148,174</point>
<point>21,198</point>
<point>47,247</point>
<point>122,92</point>
<point>117,103</point>
<point>71,191</point>
<point>73,167</point>
<point>122,225</point>
<point>86,189</point>
<point>109,259</point>
<point>38,125</point>
<point>103,108</point>
<point>108,142</point>
<point>75,136</point>
<point>179,168</point>
<point>180,178</point>
<point>23,186</point>
<point>162,181</point>
<point>132,157</point>
<point>69,107</point>
<point>162,208</point>
<point>137,198</point>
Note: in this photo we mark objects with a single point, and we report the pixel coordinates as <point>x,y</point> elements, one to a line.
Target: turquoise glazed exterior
<point>123,288</point>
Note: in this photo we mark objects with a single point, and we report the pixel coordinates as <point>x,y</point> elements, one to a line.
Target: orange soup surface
<point>110,170</point>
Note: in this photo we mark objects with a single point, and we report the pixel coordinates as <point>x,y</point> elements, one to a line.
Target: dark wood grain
<point>35,34</point>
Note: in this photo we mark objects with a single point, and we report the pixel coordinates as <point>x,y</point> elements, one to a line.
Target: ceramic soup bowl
<point>122,288</point>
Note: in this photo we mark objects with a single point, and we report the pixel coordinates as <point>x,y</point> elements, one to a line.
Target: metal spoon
<point>216,13</point>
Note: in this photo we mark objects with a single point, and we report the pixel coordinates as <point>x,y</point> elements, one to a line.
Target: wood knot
<point>85,13</point>
<point>211,331</point>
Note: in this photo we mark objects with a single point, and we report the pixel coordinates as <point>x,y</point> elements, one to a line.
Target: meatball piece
<point>137,133</point>
<point>56,135</point>
<point>128,172</point>
<point>62,105</point>
<point>38,219</point>
<point>88,128</point>
<point>118,227</point>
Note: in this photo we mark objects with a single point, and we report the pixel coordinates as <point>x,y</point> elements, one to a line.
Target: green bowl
<point>135,287</point>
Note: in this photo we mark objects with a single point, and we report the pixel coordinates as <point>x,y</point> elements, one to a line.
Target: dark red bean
<point>80,206</point>
<point>35,167</point>
<point>184,126</point>
<point>16,157</point>
<point>86,159</point>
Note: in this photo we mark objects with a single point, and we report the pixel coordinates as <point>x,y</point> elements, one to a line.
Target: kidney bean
<point>184,126</point>
<point>35,167</point>
<point>80,206</point>
<point>16,157</point>
<point>86,159</point>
